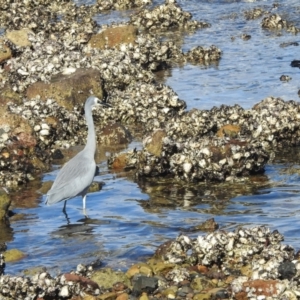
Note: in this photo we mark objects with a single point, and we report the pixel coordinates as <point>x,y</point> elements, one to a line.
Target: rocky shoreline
<point>48,71</point>
<point>248,263</point>
<point>53,55</point>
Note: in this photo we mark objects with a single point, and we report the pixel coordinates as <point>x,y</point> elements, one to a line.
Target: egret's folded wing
<point>74,177</point>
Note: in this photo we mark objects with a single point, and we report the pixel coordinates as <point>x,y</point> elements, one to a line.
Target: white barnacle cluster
<point>275,21</point>
<point>43,285</point>
<point>203,55</point>
<point>165,16</point>
<point>51,123</point>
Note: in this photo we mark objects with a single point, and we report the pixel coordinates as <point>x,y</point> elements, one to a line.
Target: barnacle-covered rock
<point>208,159</point>
<point>20,157</point>
<point>275,21</point>
<point>191,150</point>
<point>225,254</point>
<point>103,5</point>
<point>274,122</point>
<point>53,124</point>
<point>43,285</point>
<point>48,57</point>
<point>203,55</point>
<point>254,13</point>
<point>166,16</point>
<point>151,53</point>
<point>143,103</point>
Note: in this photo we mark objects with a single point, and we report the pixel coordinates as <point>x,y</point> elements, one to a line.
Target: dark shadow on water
<point>84,226</point>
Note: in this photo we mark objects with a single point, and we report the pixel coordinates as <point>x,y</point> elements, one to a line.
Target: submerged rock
<point>4,206</point>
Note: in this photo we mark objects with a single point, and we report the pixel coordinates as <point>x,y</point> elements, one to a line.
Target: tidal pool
<point>129,219</point>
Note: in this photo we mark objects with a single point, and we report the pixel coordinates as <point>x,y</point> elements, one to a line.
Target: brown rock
<point>119,287</point>
<point>108,296</point>
<point>123,296</point>
<point>114,36</point>
<point>46,186</point>
<point>119,162</point>
<point>19,37</point>
<point>15,123</point>
<point>141,268</point>
<point>208,225</point>
<point>5,52</point>
<point>69,90</point>
<point>4,204</point>
<point>154,144</point>
<point>229,130</point>
<point>19,146</point>
<point>202,269</point>
<point>114,134</point>
<point>83,281</point>
<point>268,288</point>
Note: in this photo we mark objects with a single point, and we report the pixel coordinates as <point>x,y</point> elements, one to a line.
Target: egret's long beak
<point>99,102</point>
<point>104,104</point>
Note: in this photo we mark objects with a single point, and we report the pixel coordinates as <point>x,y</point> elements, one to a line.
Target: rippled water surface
<point>127,220</point>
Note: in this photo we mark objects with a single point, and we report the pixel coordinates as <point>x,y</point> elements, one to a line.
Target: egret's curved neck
<point>91,138</point>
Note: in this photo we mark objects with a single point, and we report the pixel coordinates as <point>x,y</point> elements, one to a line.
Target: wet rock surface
<point>45,67</point>
<point>57,68</point>
<point>240,264</point>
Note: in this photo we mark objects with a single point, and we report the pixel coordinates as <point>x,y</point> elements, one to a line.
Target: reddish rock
<point>267,288</point>
<point>83,281</point>
<point>120,162</point>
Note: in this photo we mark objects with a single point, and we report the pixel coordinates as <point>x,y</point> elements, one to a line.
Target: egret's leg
<point>65,204</point>
<point>65,212</point>
<point>84,206</point>
<point>83,202</point>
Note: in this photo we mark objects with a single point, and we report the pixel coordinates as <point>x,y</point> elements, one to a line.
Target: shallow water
<point>127,220</point>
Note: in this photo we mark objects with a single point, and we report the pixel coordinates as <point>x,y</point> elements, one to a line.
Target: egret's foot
<point>85,213</point>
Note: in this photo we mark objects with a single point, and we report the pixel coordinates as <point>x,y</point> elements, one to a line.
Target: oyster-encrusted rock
<point>203,55</point>
<point>191,152</point>
<point>254,13</point>
<point>166,16</point>
<point>43,285</point>
<point>275,21</point>
<point>143,103</point>
<point>52,123</point>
